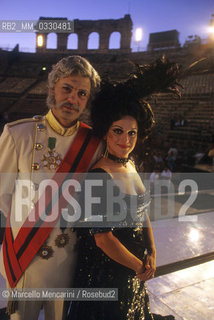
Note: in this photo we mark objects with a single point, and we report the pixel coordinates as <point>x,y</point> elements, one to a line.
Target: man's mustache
<point>70,105</point>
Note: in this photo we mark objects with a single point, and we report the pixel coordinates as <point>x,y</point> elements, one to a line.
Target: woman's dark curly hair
<point>113,102</point>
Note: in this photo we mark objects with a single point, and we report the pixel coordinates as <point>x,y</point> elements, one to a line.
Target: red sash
<point>19,253</point>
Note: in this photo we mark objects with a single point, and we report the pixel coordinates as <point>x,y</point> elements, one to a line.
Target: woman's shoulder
<point>99,173</point>
<point>101,166</point>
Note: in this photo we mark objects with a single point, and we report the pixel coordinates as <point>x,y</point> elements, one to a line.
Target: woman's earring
<point>105,155</point>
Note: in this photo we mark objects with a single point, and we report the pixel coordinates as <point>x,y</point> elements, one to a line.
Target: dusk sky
<point>189,17</point>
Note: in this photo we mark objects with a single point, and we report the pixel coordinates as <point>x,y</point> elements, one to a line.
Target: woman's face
<point>121,137</point>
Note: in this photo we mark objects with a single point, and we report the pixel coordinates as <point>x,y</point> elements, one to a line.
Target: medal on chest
<point>61,240</point>
<point>51,159</point>
<point>45,252</point>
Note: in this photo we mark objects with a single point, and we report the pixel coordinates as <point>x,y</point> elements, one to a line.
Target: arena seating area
<point>188,119</point>
<point>15,85</point>
<point>184,122</point>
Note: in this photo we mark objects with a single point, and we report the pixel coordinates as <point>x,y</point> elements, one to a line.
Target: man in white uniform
<point>35,149</point>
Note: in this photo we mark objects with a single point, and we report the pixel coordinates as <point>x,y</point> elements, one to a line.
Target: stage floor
<point>187,294</point>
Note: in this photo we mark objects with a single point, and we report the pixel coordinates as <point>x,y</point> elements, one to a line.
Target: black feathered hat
<point>118,99</point>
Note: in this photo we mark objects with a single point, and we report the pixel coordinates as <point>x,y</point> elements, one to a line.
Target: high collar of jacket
<point>57,127</point>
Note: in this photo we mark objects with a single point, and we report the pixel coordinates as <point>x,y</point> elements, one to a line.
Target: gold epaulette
<point>21,121</point>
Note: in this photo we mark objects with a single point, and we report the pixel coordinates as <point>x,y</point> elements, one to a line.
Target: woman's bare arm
<point>115,250</point>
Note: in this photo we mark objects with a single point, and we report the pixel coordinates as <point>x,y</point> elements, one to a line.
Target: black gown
<point>97,270</point>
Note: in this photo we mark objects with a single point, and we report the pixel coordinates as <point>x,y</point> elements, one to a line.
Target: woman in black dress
<point>120,255</point>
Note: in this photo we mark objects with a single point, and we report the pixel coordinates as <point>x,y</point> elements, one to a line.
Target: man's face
<point>71,97</point>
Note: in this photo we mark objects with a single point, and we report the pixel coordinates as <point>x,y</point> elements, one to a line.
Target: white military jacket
<point>25,147</point>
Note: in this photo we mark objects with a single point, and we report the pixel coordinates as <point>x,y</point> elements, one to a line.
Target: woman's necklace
<point>123,161</point>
